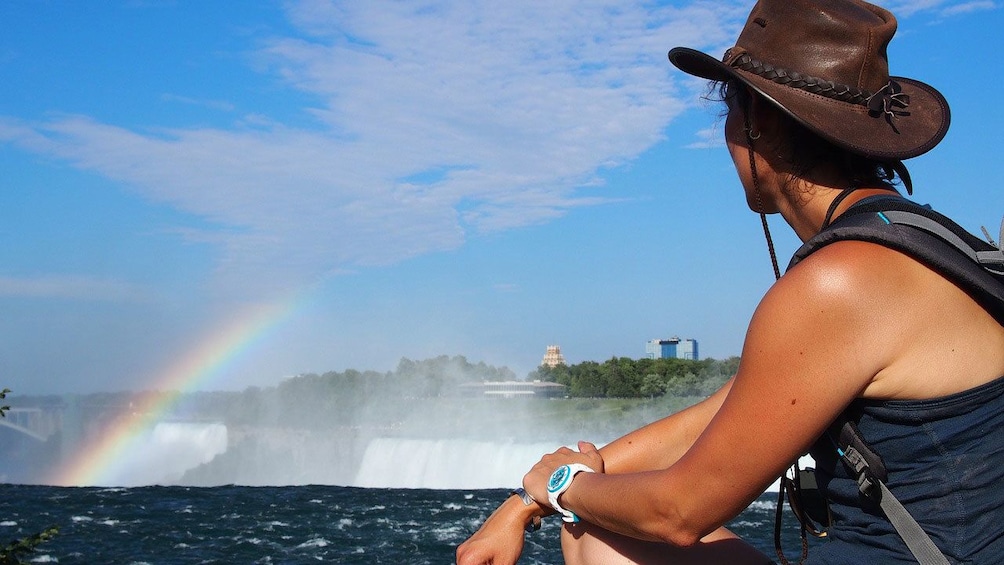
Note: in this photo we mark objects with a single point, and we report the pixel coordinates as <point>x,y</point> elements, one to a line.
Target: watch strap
<point>559,482</point>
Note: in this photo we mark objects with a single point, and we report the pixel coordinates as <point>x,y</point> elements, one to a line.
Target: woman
<point>815,124</point>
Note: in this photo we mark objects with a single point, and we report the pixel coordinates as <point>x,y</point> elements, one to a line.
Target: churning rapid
<point>290,525</point>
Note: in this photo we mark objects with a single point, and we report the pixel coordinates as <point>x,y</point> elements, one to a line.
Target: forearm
<point>646,506</point>
<point>499,540</point>
<point>628,494</point>
<point>663,442</point>
<point>516,510</point>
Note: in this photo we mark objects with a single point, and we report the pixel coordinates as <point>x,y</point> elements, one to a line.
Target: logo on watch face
<point>557,478</point>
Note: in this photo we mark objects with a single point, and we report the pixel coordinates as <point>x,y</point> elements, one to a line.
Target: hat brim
<point>845,124</point>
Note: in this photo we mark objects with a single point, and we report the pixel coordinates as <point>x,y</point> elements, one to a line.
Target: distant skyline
<point>247,193</point>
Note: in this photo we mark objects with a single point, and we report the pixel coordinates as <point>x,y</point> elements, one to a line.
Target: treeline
<point>348,398</point>
<point>622,377</point>
<point>309,400</point>
<point>376,399</point>
<point>380,399</point>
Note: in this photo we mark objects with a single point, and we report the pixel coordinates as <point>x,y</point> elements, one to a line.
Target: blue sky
<point>410,178</point>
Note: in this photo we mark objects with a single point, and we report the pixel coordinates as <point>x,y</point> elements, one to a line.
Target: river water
<point>287,525</point>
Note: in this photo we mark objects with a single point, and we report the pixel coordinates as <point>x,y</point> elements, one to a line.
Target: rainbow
<point>92,461</point>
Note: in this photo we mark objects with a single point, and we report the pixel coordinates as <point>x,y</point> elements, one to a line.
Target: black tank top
<point>945,459</point>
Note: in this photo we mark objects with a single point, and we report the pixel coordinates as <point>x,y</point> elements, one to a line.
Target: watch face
<point>557,478</point>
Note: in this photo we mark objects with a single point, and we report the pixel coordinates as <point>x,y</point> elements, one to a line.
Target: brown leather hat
<point>824,63</point>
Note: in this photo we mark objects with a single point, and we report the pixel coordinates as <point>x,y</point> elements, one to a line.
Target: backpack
<point>974,265</point>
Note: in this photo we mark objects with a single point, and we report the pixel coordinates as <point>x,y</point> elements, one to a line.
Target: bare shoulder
<point>853,320</point>
<point>828,319</point>
<point>807,354</point>
<point>860,280</point>
<point>904,320</point>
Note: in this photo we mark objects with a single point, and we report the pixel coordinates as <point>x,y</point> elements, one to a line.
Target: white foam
<point>315,542</point>
<point>763,505</point>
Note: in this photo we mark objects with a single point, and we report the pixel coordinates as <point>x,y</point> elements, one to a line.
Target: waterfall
<point>447,463</point>
<point>166,452</point>
<point>457,463</point>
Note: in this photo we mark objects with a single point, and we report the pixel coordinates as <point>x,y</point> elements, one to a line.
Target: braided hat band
<point>889,101</point>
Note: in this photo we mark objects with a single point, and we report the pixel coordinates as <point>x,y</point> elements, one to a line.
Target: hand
<point>535,482</point>
<point>499,541</point>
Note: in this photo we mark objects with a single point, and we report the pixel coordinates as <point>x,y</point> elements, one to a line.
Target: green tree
<point>558,374</point>
<point>623,379</point>
<point>653,385</point>
<point>588,380</point>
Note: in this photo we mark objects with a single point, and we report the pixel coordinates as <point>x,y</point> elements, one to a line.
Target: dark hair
<point>806,150</point>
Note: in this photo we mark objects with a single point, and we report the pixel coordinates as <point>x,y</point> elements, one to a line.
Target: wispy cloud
<point>968,7</point>
<point>708,138</point>
<point>942,8</point>
<point>434,120</point>
<point>212,104</point>
<point>906,8</point>
<point>70,287</point>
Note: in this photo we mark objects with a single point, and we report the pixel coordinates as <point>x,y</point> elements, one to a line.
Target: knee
<point>572,540</point>
<point>580,545</point>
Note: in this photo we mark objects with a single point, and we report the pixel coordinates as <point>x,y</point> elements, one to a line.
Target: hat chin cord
<point>750,139</point>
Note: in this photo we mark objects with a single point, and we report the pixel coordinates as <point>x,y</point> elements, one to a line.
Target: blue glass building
<point>672,348</point>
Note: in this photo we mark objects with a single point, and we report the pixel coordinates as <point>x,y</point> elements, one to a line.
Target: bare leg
<point>583,544</point>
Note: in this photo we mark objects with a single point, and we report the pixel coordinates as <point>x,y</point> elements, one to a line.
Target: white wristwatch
<point>559,482</point>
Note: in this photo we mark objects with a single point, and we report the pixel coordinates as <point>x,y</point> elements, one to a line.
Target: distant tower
<point>553,357</point>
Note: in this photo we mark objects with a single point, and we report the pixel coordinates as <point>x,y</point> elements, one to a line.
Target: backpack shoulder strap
<point>974,265</point>
<point>870,472</point>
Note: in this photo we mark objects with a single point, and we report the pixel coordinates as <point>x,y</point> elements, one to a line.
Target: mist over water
<point>383,462</point>
<point>420,426</point>
<point>175,453</point>
<point>438,444</point>
<point>163,454</point>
